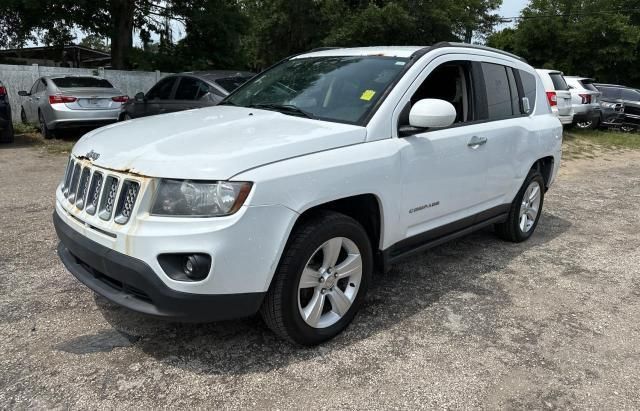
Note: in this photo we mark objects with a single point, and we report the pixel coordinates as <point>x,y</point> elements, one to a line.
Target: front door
<point>443,170</point>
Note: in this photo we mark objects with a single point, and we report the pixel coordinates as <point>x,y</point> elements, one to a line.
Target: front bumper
<point>131,283</point>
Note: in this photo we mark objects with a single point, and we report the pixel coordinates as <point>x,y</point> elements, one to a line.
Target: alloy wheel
<point>330,282</point>
<point>530,206</point>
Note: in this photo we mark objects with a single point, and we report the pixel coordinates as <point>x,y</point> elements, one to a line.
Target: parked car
<point>283,198</point>
<point>59,102</point>
<point>584,102</point>
<point>184,91</point>
<point>558,94</point>
<point>6,124</point>
<point>620,106</point>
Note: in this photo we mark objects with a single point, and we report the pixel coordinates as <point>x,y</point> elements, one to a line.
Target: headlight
<point>609,105</point>
<point>199,198</point>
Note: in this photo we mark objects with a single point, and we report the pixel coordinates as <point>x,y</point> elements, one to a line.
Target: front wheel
<point>321,280</point>
<point>525,210</point>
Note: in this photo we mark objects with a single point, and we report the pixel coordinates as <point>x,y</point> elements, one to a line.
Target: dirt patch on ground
<point>476,323</point>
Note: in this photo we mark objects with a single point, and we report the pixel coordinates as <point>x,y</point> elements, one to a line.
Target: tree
<point>95,42</point>
<point>595,38</point>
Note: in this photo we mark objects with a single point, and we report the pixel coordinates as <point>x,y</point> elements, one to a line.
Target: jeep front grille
<point>109,195</point>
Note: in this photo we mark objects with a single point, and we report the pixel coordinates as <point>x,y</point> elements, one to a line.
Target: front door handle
<point>476,142</point>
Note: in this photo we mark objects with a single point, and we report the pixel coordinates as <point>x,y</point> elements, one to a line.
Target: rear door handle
<point>476,142</point>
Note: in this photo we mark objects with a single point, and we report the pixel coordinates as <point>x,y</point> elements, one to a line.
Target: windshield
<point>341,89</point>
<point>92,82</point>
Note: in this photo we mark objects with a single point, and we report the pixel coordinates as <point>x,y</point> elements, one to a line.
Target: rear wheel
<point>525,210</point>
<point>321,281</point>
<point>47,133</point>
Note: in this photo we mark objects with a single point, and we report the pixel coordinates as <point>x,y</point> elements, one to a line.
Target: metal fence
<point>16,78</point>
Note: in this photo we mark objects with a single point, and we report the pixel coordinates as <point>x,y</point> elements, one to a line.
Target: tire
<point>23,116</point>
<point>47,133</point>
<point>512,229</point>
<point>288,299</point>
<point>7,135</point>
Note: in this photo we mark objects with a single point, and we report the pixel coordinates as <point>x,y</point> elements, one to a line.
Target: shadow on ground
<point>459,269</point>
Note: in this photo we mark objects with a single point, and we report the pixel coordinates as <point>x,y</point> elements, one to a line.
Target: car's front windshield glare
<point>341,89</point>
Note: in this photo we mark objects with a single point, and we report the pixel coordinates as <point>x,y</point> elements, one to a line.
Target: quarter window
<point>499,100</point>
<point>528,81</point>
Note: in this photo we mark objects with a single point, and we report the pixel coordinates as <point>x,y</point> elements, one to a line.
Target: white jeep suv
<point>287,197</point>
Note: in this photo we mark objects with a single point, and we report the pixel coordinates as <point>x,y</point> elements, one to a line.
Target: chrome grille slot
<point>83,186</point>
<point>108,198</point>
<point>67,176</point>
<point>126,201</point>
<point>94,193</point>
<point>73,186</point>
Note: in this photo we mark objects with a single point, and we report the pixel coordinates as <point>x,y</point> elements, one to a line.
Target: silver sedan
<point>59,102</point>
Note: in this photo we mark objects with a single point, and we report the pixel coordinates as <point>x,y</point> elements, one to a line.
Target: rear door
<point>562,93</point>
<point>506,128</point>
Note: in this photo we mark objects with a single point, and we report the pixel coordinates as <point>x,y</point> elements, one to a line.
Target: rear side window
<point>162,90</point>
<point>231,83</point>
<point>499,101</point>
<point>74,82</point>
<point>191,89</point>
<point>528,81</point>
<point>558,81</point>
<point>588,85</point>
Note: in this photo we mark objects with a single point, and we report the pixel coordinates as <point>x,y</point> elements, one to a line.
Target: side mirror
<point>139,96</point>
<point>23,93</point>
<point>432,113</point>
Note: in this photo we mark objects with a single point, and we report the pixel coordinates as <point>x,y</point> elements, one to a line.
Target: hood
<point>211,143</point>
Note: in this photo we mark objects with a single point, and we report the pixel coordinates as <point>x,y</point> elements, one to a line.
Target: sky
<point>512,8</point>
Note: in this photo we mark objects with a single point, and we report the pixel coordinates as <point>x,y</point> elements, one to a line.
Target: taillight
<point>58,99</point>
<point>3,91</point>
<point>120,99</point>
<point>552,98</point>
<point>586,98</point>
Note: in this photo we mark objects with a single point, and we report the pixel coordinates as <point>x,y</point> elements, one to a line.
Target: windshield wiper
<point>226,103</point>
<point>283,108</point>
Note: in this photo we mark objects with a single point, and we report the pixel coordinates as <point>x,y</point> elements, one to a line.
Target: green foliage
<point>595,38</point>
<point>241,33</point>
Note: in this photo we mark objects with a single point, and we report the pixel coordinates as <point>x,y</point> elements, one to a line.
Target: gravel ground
<point>476,323</point>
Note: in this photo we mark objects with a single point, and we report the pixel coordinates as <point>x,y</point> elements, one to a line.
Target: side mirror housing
<point>139,96</point>
<point>432,113</point>
<point>23,93</point>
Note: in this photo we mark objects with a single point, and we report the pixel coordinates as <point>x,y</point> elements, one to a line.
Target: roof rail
<point>321,49</point>
<point>477,47</point>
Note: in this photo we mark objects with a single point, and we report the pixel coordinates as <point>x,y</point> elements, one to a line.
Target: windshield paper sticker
<point>367,95</point>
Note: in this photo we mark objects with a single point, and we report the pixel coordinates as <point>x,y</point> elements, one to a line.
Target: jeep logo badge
<point>92,155</point>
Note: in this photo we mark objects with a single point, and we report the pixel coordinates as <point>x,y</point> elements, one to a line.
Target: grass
<point>27,135</point>
<point>589,144</point>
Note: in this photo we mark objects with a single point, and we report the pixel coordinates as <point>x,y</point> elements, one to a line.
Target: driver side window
<point>452,82</point>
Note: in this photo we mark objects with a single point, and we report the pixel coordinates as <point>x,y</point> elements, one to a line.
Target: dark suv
<point>6,126</point>
<point>620,106</point>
